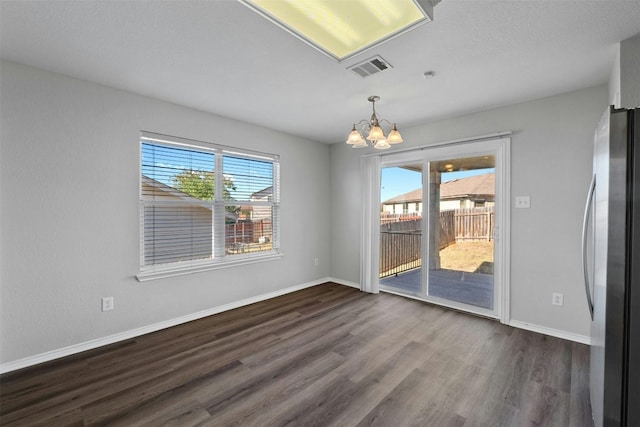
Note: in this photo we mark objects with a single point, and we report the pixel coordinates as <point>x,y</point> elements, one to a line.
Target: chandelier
<point>375,132</point>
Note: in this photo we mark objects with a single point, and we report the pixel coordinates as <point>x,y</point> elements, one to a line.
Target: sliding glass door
<point>461,228</point>
<point>441,211</point>
<point>401,225</point>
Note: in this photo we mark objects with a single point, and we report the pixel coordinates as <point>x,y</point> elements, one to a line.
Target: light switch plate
<point>107,303</point>
<point>557,298</point>
<point>523,202</point>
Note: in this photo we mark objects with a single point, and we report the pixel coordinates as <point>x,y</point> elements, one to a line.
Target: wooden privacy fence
<point>386,217</point>
<point>466,225</point>
<point>247,232</point>
<point>401,241</point>
<point>447,228</point>
<point>474,224</point>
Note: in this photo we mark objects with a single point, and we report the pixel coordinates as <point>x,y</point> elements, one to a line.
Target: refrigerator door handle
<point>585,232</point>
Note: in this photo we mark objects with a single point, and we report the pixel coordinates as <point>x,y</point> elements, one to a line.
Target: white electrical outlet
<point>523,202</point>
<point>557,299</point>
<point>315,262</point>
<point>107,303</point>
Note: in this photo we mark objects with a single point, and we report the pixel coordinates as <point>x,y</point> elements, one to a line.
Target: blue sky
<point>396,181</point>
<point>162,163</point>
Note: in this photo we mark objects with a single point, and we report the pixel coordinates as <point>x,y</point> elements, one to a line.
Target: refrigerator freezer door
<point>615,342</point>
<point>633,332</point>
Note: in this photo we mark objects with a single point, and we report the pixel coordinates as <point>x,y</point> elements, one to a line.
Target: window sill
<point>180,270</point>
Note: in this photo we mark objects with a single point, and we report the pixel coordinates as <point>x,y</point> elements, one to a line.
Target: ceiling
<point>222,57</point>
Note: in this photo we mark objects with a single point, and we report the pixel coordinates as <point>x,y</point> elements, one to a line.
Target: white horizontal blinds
<point>176,234</point>
<point>249,193</point>
<point>250,179</point>
<point>182,169</point>
<point>276,205</point>
<point>177,192</point>
<point>203,203</point>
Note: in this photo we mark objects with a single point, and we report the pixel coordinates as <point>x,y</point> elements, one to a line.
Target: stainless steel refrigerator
<point>611,262</point>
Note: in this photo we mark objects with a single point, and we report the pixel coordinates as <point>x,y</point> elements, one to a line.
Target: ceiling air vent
<point>370,66</point>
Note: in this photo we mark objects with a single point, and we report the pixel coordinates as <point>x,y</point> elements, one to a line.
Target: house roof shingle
<point>477,185</point>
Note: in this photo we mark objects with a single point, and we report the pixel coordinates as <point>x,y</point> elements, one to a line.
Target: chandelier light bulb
<point>376,133</point>
<point>381,144</point>
<point>355,137</point>
<point>362,144</point>
<point>394,136</point>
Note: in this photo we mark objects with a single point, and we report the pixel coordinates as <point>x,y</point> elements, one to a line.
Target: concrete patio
<point>469,288</point>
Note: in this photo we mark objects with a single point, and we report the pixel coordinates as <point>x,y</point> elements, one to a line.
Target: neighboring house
<point>161,219</point>
<point>406,203</point>
<point>258,217</point>
<point>471,192</point>
<point>155,190</point>
<point>257,212</point>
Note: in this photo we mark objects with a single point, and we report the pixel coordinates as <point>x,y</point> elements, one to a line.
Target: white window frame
<point>219,258</point>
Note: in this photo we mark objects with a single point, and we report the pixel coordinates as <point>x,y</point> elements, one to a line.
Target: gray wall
<point>624,81</point>
<point>69,213</point>
<point>630,72</point>
<point>551,152</point>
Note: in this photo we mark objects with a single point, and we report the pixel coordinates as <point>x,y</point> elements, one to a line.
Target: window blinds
<point>204,203</point>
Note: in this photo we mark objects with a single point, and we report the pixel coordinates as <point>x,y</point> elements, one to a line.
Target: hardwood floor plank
<point>350,404</point>
<point>543,405</point>
<point>459,399</point>
<point>69,396</point>
<point>261,375</point>
<point>183,370</point>
<point>176,402</point>
<point>264,398</point>
<point>493,413</point>
<point>185,412</point>
<point>553,364</point>
<point>323,356</point>
<point>514,368</point>
<point>440,418</point>
<point>369,359</point>
<point>117,367</point>
<point>401,406</point>
<point>580,403</point>
<point>328,332</point>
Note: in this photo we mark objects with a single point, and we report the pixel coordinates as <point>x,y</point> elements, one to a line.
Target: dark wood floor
<point>327,355</point>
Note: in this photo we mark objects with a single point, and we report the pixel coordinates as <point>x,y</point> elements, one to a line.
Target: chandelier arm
<point>385,120</point>
<point>363,125</point>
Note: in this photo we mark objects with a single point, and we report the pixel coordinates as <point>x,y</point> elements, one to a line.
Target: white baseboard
<point>344,282</point>
<point>89,345</point>
<point>582,339</point>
